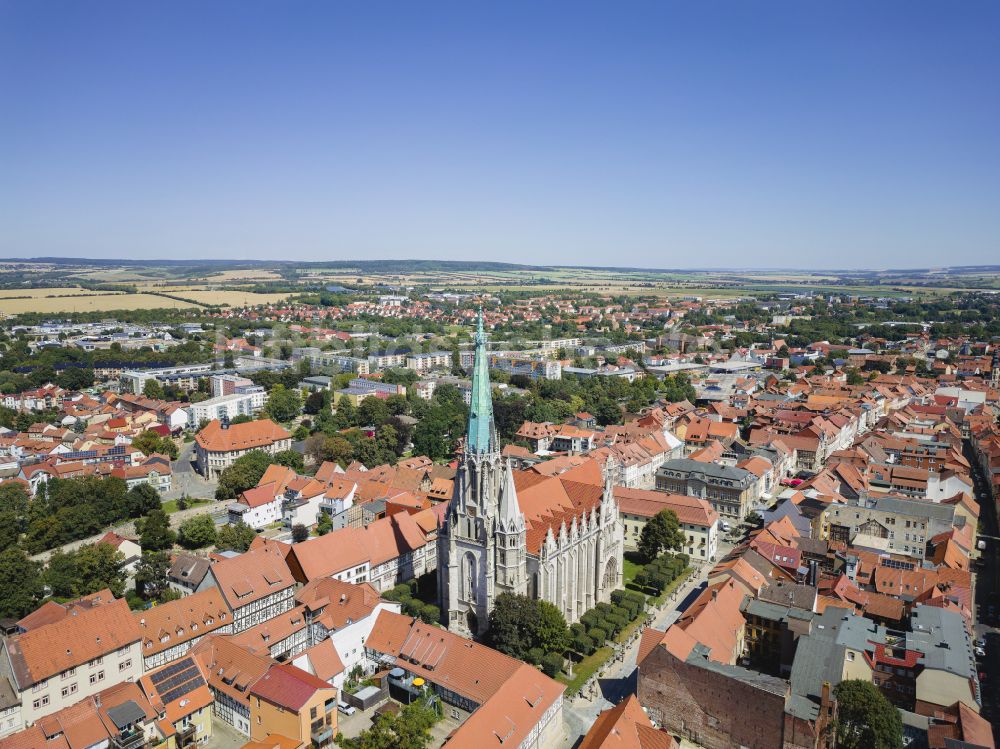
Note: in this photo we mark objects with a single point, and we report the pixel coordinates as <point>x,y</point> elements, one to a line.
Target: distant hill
<point>424,266</point>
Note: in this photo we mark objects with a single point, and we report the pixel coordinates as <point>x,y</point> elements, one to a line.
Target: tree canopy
<point>154,531</point>
<point>519,623</point>
<point>283,404</point>
<point>196,532</point>
<point>235,537</point>
<point>20,583</point>
<point>662,532</point>
<point>86,570</point>
<point>150,442</point>
<point>865,718</point>
<point>245,473</point>
<point>408,729</point>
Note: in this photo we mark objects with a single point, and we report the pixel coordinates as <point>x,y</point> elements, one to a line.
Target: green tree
<point>552,663</point>
<point>322,448</point>
<point>152,389</point>
<point>519,623</point>
<point>141,499</point>
<point>347,414</point>
<point>300,533</point>
<point>20,583</point>
<point>372,411</point>
<point>11,527</point>
<point>430,613</point>
<point>151,574</point>
<point>150,442</point>
<point>60,574</point>
<point>661,533</point>
<point>290,459</point>
<point>409,729</point>
<point>99,566</point>
<point>235,537</point>
<point>865,718</point>
<point>324,525</point>
<point>283,404</point>
<point>314,403</point>
<point>155,533</point>
<point>14,498</point>
<point>196,532</point>
<point>245,473</point>
<point>606,411</point>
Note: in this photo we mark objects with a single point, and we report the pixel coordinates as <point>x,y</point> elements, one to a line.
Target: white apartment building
<point>248,403</point>
<point>429,361</point>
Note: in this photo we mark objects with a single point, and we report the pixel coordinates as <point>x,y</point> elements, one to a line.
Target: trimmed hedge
<point>552,664</point>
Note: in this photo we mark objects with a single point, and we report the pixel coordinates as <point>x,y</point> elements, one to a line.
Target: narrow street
<point>987,596</point>
<point>617,679</point>
<point>186,481</point>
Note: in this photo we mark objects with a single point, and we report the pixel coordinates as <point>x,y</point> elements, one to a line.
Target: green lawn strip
<point>630,569</point>
<point>585,669</point>
<point>170,506</point>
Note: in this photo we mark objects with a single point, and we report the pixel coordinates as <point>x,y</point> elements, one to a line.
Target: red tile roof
<point>288,686</point>
<point>245,436</point>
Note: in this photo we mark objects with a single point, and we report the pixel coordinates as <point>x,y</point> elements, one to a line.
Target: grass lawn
<point>585,669</point>
<point>630,568</point>
<point>170,506</point>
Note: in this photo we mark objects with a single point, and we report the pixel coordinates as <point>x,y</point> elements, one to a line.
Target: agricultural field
<point>243,275</point>
<point>93,302</point>
<point>210,283</point>
<point>49,292</point>
<point>232,298</point>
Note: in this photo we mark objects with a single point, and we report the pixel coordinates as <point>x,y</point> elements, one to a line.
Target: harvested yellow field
<point>90,303</point>
<point>41,293</point>
<point>243,275</point>
<point>232,298</point>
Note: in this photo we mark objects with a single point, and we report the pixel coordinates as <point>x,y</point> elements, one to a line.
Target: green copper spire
<point>482,432</point>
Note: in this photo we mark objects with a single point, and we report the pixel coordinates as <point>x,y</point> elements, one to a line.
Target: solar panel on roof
<point>178,679</point>
<point>178,692</point>
<point>175,668</point>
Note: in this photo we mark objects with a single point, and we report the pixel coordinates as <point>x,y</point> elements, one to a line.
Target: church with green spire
<point>484,548</point>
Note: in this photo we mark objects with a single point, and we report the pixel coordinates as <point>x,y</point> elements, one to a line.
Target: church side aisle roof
<point>549,501</point>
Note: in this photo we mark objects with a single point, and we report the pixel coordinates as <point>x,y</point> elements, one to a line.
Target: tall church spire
<point>510,517</point>
<point>481,436</point>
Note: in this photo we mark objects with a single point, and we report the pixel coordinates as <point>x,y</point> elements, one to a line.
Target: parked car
<point>346,709</point>
<point>980,652</point>
<point>980,643</point>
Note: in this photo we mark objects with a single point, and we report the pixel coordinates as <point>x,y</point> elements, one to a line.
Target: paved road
<point>987,594</point>
<point>618,679</point>
<point>185,480</point>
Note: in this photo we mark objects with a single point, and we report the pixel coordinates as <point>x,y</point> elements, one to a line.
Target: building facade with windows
<point>731,491</point>
<point>57,664</point>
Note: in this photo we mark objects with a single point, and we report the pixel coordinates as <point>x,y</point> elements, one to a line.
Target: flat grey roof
<point>941,636</point>
<point>916,507</point>
<point>709,469</point>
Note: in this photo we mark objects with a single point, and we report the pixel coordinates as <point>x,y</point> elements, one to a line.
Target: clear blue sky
<point>659,134</point>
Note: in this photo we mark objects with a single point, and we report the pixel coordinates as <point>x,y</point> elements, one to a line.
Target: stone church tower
<point>481,545</point>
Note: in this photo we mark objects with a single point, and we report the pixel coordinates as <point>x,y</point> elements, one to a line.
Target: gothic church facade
<point>565,546</point>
